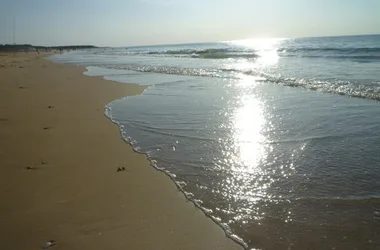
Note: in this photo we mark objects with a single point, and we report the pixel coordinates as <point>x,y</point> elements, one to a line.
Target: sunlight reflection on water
<point>248,125</point>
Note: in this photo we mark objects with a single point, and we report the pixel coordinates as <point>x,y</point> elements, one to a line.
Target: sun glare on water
<point>249,122</point>
<point>248,152</point>
<point>265,48</point>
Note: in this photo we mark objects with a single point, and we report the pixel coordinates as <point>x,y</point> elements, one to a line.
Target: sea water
<point>277,140</point>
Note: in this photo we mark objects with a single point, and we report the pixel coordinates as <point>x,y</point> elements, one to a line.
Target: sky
<point>148,22</point>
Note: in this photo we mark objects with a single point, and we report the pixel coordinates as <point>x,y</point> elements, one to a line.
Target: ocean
<point>276,140</point>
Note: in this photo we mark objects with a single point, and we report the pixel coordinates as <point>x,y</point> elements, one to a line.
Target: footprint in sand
<point>122,168</point>
<point>34,167</point>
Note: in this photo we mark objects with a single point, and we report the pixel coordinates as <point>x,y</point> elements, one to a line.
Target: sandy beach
<point>59,155</point>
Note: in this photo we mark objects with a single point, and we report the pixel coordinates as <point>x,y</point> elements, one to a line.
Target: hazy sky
<point>141,22</point>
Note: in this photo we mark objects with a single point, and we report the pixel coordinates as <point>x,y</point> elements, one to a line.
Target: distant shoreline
<point>30,48</point>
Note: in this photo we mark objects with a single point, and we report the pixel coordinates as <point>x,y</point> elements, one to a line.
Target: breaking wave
<point>336,86</point>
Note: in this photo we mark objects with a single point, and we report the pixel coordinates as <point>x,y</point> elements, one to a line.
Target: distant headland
<point>32,48</point>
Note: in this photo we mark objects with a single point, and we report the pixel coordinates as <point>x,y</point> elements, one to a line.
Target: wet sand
<point>59,156</point>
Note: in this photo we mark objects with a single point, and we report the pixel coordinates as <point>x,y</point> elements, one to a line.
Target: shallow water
<point>278,167</point>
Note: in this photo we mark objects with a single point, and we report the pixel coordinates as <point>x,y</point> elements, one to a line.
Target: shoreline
<point>52,120</point>
<point>204,210</point>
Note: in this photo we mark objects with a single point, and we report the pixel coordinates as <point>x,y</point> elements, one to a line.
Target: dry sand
<point>52,119</point>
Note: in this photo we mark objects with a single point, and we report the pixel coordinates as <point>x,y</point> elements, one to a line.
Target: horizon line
<point>300,37</point>
<point>168,44</point>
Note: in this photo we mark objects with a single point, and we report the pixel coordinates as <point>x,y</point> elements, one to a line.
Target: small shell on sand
<point>48,244</point>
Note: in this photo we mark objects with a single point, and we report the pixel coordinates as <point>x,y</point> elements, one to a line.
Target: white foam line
<point>179,184</point>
